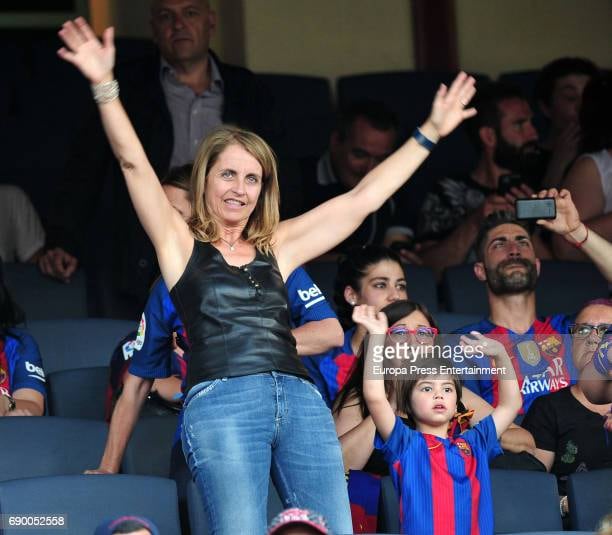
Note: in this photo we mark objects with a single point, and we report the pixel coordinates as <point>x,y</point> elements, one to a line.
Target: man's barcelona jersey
<point>443,483</point>
<point>20,363</point>
<point>541,359</point>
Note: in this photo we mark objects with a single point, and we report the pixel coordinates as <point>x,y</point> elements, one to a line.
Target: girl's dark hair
<point>354,385</point>
<point>596,114</point>
<point>10,314</point>
<point>352,268</point>
<point>179,177</point>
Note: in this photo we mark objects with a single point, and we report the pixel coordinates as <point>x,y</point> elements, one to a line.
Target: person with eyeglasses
<point>508,266</point>
<point>571,433</point>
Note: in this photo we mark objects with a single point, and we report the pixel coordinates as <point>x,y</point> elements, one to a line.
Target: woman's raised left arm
<point>320,229</point>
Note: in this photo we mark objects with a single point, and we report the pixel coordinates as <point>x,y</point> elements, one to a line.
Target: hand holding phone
<point>567,221</point>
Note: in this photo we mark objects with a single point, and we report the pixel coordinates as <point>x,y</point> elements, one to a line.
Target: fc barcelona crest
<point>464,447</point>
<point>529,352</point>
<point>551,345</point>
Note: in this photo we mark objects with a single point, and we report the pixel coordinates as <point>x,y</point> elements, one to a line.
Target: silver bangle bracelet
<point>105,92</point>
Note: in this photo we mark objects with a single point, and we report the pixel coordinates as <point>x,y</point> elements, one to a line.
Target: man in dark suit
<point>174,99</point>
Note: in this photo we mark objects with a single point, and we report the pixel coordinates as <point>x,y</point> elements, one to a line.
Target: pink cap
<point>298,516</point>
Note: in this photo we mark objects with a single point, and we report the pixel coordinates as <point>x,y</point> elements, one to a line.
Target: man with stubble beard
<point>507,264</point>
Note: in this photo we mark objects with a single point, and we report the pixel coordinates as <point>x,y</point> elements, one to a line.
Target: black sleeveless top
<point>236,318</point>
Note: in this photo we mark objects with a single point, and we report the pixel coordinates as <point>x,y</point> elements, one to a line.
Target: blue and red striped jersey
<point>541,359</point>
<point>443,483</point>
<point>330,371</point>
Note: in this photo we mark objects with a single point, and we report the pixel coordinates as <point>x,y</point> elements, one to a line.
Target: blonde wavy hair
<point>264,220</point>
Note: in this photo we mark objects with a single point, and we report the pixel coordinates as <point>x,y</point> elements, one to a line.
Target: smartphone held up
<point>535,208</point>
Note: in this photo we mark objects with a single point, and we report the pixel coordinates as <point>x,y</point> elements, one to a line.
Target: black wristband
<point>422,140</point>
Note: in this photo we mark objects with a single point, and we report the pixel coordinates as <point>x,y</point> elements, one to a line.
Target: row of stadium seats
<point>54,451</point>
<point>306,104</point>
<point>85,501</point>
<point>460,292</point>
<point>47,446</point>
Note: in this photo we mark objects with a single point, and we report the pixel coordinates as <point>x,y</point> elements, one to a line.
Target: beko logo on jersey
<point>40,374</point>
<point>311,296</point>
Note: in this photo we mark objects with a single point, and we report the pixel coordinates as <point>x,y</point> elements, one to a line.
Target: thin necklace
<point>232,246</point>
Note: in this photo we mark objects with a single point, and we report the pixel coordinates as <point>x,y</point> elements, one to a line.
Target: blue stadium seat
<point>589,497</point>
<point>42,297</point>
<point>149,449</point>
<point>525,501</point>
<point>421,285</point>
<point>451,321</point>
<point>78,393</point>
<point>197,517</point>
<point>47,446</point>
<point>87,501</point>
<point>388,511</point>
<point>462,292</point>
<point>79,343</point>
<point>567,286</point>
<point>305,104</point>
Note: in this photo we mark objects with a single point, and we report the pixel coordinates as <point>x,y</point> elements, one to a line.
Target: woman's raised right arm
<point>166,229</point>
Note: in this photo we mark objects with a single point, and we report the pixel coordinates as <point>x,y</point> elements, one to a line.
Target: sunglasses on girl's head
<point>583,330</point>
<point>422,334</point>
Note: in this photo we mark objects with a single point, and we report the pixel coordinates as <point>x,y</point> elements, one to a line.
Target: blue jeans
<point>238,431</point>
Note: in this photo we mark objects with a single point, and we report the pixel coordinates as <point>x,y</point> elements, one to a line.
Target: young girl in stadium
<point>443,483</point>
